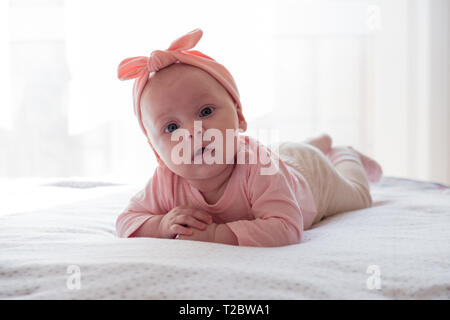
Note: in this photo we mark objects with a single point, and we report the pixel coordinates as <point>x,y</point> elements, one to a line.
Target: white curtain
<point>411,89</point>
<point>5,70</point>
<point>372,73</point>
<point>100,33</point>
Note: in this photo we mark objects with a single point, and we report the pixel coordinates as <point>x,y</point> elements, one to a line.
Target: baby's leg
<point>372,168</point>
<point>348,188</point>
<point>322,142</point>
<point>337,178</point>
<point>336,187</point>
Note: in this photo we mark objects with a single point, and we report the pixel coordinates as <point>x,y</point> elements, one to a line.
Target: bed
<point>398,249</point>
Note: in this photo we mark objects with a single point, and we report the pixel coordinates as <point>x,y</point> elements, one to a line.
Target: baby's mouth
<point>200,151</point>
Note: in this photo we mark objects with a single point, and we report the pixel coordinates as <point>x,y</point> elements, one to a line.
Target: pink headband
<point>140,68</point>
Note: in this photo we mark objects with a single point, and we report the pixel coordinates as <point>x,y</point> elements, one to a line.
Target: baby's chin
<point>200,171</point>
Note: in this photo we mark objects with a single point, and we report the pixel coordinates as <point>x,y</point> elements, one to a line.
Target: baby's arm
<point>149,228</point>
<point>219,233</point>
<point>275,217</point>
<point>268,230</point>
<point>179,220</point>
<point>142,216</point>
<point>137,224</point>
<point>224,235</point>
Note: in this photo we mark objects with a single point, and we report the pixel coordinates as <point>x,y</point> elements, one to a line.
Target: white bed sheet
<point>405,236</point>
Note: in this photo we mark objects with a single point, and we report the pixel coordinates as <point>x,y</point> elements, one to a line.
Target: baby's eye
<point>206,111</point>
<point>171,128</point>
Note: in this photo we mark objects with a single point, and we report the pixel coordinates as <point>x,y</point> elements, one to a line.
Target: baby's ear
<point>243,126</point>
<point>242,121</point>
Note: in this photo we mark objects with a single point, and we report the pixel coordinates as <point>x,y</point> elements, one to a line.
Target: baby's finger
<point>203,216</point>
<point>190,221</point>
<point>182,237</point>
<point>178,229</point>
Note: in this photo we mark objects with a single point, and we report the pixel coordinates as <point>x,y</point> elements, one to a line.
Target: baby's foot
<point>371,167</point>
<point>322,142</point>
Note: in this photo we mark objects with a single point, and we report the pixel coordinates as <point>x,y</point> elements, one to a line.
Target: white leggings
<point>338,181</point>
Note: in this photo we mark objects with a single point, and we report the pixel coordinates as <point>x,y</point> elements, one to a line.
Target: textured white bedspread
<point>403,241</point>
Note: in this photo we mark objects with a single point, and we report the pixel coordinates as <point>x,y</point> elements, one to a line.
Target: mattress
<point>397,249</point>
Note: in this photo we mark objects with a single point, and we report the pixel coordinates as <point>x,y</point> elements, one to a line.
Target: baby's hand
<point>180,220</point>
<point>206,235</point>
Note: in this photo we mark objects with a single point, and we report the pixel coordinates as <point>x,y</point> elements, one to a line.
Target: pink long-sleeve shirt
<point>262,210</point>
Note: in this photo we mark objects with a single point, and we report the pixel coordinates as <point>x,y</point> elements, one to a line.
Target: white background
<point>373,74</point>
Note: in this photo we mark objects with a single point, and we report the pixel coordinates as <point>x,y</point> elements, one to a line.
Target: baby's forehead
<point>178,84</point>
<point>178,72</point>
<point>180,81</point>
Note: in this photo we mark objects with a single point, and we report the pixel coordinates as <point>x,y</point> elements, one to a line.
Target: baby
<point>218,185</point>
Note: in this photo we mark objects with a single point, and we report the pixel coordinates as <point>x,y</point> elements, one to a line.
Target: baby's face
<point>173,99</point>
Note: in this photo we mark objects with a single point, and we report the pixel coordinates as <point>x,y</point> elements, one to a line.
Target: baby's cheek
<point>175,153</point>
<point>230,151</point>
<point>169,158</point>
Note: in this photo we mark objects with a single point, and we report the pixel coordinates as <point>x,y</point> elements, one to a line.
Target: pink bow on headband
<point>133,67</point>
<point>139,68</point>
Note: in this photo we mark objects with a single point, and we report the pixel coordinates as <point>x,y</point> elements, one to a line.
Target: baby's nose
<point>196,129</point>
